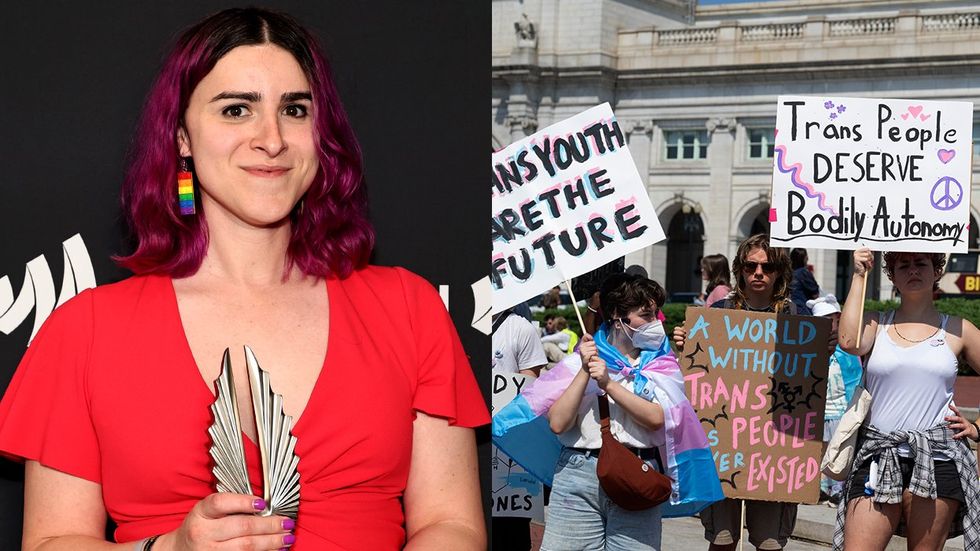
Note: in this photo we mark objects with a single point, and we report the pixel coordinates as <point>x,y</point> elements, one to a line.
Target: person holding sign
<point>913,473</point>
<point>246,198</point>
<point>762,282</point>
<point>580,515</point>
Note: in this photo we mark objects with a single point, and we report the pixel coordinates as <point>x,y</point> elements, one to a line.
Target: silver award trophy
<point>280,478</point>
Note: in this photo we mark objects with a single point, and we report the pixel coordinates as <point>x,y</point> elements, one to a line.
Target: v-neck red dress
<point>109,392</point>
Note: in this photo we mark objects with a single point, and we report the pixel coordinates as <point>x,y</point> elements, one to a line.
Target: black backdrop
<point>413,77</point>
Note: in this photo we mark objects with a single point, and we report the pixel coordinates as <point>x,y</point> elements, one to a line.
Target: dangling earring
<point>185,189</point>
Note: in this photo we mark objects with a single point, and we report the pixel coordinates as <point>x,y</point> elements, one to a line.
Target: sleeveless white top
<point>911,386</point>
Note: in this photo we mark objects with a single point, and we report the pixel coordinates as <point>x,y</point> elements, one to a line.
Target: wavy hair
<point>330,235</point>
<point>783,275</point>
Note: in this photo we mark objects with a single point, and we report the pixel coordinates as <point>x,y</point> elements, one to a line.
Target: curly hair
<point>938,260</point>
<point>783,275</point>
<point>622,293</point>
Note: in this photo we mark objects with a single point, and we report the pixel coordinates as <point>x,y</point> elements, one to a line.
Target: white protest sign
<point>565,200</point>
<point>514,492</point>
<point>889,174</point>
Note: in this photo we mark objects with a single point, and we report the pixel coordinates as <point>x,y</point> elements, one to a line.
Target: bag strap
<point>500,321</point>
<point>603,413</point>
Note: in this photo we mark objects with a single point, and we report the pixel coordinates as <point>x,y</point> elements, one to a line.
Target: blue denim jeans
<point>582,518</point>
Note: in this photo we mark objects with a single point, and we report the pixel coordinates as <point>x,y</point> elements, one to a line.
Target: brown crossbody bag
<point>627,480</point>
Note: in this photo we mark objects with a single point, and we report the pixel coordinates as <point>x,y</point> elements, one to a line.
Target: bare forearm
<point>850,320</point>
<point>76,543</point>
<point>449,535</point>
<point>562,413</point>
<point>648,414</point>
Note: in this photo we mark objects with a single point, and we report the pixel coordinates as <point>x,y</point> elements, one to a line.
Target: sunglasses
<point>750,267</point>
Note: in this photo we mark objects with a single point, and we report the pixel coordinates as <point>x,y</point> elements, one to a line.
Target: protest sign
<point>565,200</point>
<point>889,174</point>
<point>514,492</point>
<point>758,383</point>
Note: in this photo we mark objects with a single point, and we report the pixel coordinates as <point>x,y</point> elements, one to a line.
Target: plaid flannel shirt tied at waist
<point>884,446</point>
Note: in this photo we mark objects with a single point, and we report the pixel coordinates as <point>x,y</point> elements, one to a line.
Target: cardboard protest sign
<point>887,174</point>
<point>514,492</point>
<point>758,383</point>
<point>565,200</point>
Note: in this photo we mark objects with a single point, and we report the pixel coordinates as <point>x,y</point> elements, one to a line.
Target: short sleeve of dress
<point>44,414</point>
<point>446,385</point>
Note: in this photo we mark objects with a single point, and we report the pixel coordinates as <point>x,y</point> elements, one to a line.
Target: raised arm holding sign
<point>893,175</point>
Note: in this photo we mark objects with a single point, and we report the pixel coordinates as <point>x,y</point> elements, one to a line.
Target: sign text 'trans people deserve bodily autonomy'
<point>889,174</point>
<point>565,200</point>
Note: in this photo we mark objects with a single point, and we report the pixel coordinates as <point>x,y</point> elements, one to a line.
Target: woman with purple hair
<point>246,200</point>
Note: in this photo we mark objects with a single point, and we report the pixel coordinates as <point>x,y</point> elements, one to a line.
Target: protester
<point>714,270</point>
<point>560,341</point>
<point>913,474</point>
<point>844,375</point>
<point>762,278</point>
<point>804,286</point>
<point>516,345</point>
<point>516,349</point>
<point>580,515</point>
<point>646,388</point>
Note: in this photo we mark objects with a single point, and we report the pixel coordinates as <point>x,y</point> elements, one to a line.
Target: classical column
<point>721,154</point>
<point>638,137</point>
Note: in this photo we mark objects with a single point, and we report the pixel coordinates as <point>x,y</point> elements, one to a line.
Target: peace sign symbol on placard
<point>947,194</point>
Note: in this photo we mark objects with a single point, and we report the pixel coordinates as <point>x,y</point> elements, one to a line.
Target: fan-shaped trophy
<point>277,445</point>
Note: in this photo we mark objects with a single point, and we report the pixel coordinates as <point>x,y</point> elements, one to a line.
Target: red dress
<point>109,392</point>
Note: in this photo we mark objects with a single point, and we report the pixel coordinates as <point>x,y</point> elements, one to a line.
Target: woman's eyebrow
<point>246,96</point>
<point>296,96</point>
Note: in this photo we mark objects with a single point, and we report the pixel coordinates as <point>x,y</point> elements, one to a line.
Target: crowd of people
<point>914,473</point>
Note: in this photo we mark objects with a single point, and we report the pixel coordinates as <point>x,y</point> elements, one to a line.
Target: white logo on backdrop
<point>38,294</point>
<point>482,299</point>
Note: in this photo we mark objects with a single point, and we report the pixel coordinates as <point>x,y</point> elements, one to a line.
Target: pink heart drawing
<point>915,110</point>
<point>946,155</point>
<point>905,116</point>
<point>923,117</point>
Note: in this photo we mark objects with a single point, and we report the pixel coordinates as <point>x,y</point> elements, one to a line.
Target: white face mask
<point>649,336</point>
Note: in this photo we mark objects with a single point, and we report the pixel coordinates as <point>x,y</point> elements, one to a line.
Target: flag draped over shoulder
<point>521,428</point>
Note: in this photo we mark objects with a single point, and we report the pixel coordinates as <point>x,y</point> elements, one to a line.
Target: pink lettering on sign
<point>784,431</point>
<point>783,473</point>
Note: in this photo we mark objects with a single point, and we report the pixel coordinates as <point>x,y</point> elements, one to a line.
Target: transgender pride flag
<point>521,428</point>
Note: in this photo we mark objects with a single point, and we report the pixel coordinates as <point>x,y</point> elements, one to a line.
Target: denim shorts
<point>581,517</point>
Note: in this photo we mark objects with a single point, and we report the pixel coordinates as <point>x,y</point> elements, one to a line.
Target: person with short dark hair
<point>245,195</point>
<point>914,473</point>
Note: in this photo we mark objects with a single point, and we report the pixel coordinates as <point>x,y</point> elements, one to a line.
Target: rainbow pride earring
<point>185,189</point>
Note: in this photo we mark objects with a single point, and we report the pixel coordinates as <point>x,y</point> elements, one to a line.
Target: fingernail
<point>258,504</point>
<point>289,539</point>
<point>288,524</point>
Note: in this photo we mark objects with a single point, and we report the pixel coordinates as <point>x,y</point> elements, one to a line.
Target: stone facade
<point>678,74</point>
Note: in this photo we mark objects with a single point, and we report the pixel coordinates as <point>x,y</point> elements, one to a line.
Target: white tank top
<point>911,386</point>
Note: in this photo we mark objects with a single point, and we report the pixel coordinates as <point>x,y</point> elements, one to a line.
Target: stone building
<point>695,88</point>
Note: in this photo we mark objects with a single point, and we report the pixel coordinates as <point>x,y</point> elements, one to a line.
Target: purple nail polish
<point>288,524</point>
<point>289,539</point>
<point>258,504</point>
